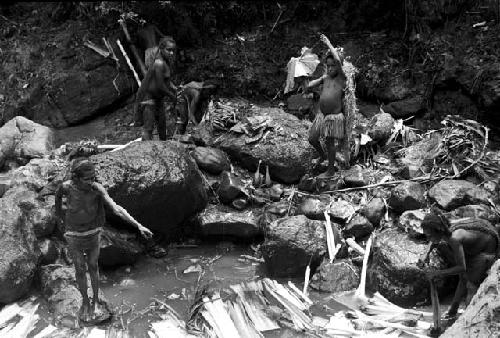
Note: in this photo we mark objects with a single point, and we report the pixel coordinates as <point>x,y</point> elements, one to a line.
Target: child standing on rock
<point>330,120</point>
<point>85,216</point>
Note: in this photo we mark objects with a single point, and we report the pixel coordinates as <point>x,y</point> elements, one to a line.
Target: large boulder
<point>118,247</point>
<point>276,210</point>
<point>230,188</point>
<point>411,222</point>
<point>475,211</point>
<point>78,95</point>
<point>482,315</point>
<point>404,108</point>
<point>220,220</point>
<point>393,269</point>
<point>341,211</point>
<point>20,252</point>
<point>339,276</point>
<point>211,160</point>
<point>36,174</point>
<point>22,140</point>
<point>58,285</point>
<point>358,227</point>
<point>285,149</point>
<point>392,88</point>
<point>374,210</point>
<point>157,182</point>
<point>314,208</point>
<point>407,196</point>
<point>293,242</point>
<point>451,194</point>
<point>418,157</point>
<point>380,127</point>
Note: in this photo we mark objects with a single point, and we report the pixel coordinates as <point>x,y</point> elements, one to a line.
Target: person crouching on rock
<point>474,243</point>
<point>83,221</point>
<point>193,103</point>
<point>329,121</point>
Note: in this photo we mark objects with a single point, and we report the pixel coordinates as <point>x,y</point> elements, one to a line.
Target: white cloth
<point>303,65</point>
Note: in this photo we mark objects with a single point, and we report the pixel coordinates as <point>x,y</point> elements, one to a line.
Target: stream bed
<point>132,291</point>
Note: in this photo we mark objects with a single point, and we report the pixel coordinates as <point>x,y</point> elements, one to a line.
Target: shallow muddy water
<point>168,279</point>
<point>133,290</point>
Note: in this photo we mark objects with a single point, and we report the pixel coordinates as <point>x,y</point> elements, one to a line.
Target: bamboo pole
<point>128,62</point>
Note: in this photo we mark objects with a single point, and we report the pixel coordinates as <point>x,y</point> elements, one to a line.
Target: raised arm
<point>326,41</point>
<point>316,82</point>
<point>121,212</point>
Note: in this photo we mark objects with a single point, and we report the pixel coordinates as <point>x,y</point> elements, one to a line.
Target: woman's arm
<point>121,212</point>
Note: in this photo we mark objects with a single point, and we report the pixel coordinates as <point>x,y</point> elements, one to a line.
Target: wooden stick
<point>330,238</point>
<point>369,186</point>
<point>96,48</point>
<point>301,294</point>
<point>306,280</point>
<point>110,49</point>
<point>126,145</point>
<point>360,292</point>
<point>128,62</point>
<point>277,20</point>
<point>355,246</point>
<point>436,311</point>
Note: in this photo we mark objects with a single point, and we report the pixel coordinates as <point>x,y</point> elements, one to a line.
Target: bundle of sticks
<point>350,107</point>
<point>464,149</point>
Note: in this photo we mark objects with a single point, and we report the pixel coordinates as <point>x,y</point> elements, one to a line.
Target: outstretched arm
<point>316,82</point>
<point>121,212</point>
<point>327,42</point>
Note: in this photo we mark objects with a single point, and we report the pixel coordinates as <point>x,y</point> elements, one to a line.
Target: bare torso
<point>157,81</point>
<point>479,252</point>
<point>330,101</point>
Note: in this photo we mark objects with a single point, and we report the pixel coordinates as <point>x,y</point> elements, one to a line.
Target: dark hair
<point>82,166</point>
<point>165,40</point>
<point>437,222</point>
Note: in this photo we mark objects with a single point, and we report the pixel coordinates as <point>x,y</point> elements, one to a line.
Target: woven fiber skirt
<point>315,131</point>
<point>334,126</point>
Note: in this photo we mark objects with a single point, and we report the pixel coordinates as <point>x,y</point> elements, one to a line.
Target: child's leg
<point>78,258</point>
<point>92,263</point>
